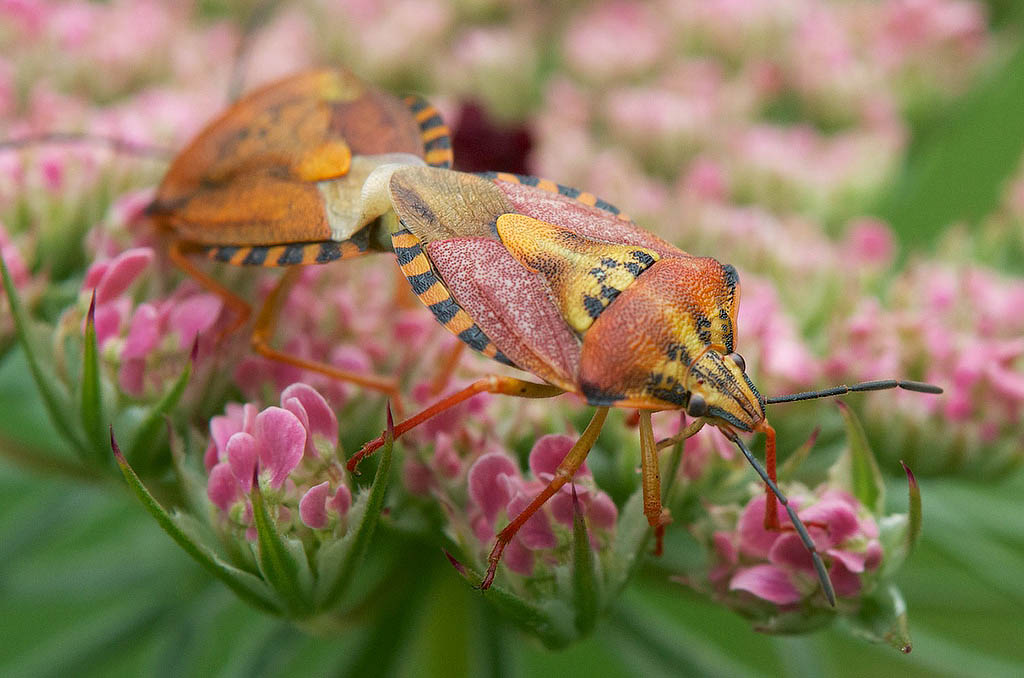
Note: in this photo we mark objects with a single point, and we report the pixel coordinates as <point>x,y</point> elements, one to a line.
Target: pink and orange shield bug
<point>530,273</point>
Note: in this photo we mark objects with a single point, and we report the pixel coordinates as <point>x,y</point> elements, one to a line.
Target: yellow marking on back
<point>459,323</point>
<point>326,161</point>
<point>309,254</point>
<point>434,133</point>
<point>419,264</point>
<point>426,114</point>
<point>273,254</point>
<point>505,176</point>
<point>585,275</point>
<point>490,350</point>
<point>438,155</point>
<point>587,199</point>
<point>404,240</point>
<point>436,293</point>
<point>238,257</point>
<point>547,185</point>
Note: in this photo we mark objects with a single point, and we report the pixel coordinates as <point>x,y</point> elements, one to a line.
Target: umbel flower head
<point>767,574</point>
<point>291,535</point>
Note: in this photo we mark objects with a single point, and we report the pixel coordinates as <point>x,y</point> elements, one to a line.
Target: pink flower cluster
<point>499,492</point>
<point>146,341</point>
<point>776,567</point>
<point>291,450</point>
<point>957,326</point>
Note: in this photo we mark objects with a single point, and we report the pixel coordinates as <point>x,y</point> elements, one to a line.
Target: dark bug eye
<point>698,407</point>
<point>740,362</point>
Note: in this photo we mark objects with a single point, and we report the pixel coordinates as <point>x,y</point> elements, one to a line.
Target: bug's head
<point>667,342</point>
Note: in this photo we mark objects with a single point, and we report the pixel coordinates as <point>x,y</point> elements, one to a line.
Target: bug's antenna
<point>881,385</point>
<point>116,144</point>
<point>798,525</point>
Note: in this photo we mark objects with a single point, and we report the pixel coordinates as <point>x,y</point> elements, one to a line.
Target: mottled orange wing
<point>250,178</point>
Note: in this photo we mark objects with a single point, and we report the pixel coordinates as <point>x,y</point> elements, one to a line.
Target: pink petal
<point>222,488</point>
<point>121,272</point>
<point>226,425</point>
<point>873,555</point>
<point>790,552</point>
<point>282,441</point>
<point>536,532</point>
<point>322,420</point>
<point>107,322</point>
<point>95,274</point>
<point>193,316</point>
<point>130,376</point>
<point>210,457</point>
<point>242,452</point>
<point>518,558</point>
<point>143,333</point>
<point>846,583</point>
<point>417,477</point>
<point>725,548</point>
<point>854,562</point>
<point>446,459</point>
<point>602,512</point>
<point>755,541</point>
<point>767,582</point>
<point>548,452</point>
<point>840,517</point>
<point>342,500</point>
<point>313,506</point>
<point>487,486</point>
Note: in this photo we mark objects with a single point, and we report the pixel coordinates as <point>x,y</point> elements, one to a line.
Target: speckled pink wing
<point>512,305</point>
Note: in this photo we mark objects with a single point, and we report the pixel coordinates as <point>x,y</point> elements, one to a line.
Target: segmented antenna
<point>880,385</point>
<point>798,525</point>
<point>115,144</point>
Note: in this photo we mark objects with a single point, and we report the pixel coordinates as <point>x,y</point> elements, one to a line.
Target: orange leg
<point>266,322</point>
<point>771,506</point>
<point>566,469</point>
<point>444,375</point>
<point>492,384</point>
<point>179,253</point>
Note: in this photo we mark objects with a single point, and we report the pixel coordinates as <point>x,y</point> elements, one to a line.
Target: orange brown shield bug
<point>530,273</point>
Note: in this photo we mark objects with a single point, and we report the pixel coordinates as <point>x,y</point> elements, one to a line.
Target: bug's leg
<point>650,475</point>
<point>566,469</point>
<point>691,430</point>
<point>771,505</point>
<point>266,322</point>
<point>263,333</point>
<point>179,253</point>
<point>492,384</point>
<point>444,375</point>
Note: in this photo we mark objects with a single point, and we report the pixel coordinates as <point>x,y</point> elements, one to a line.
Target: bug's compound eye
<point>697,407</point>
<point>738,359</point>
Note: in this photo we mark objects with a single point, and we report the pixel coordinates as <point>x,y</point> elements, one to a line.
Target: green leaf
<point>277,560</point>
<point>914,511</point>
<point>584,580</point>
<point>856,469</point>
<point>91,400</point>
<point>337,562</point>
<point>882,618</point>
<point>55,396</point>
<point>248,589</point>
